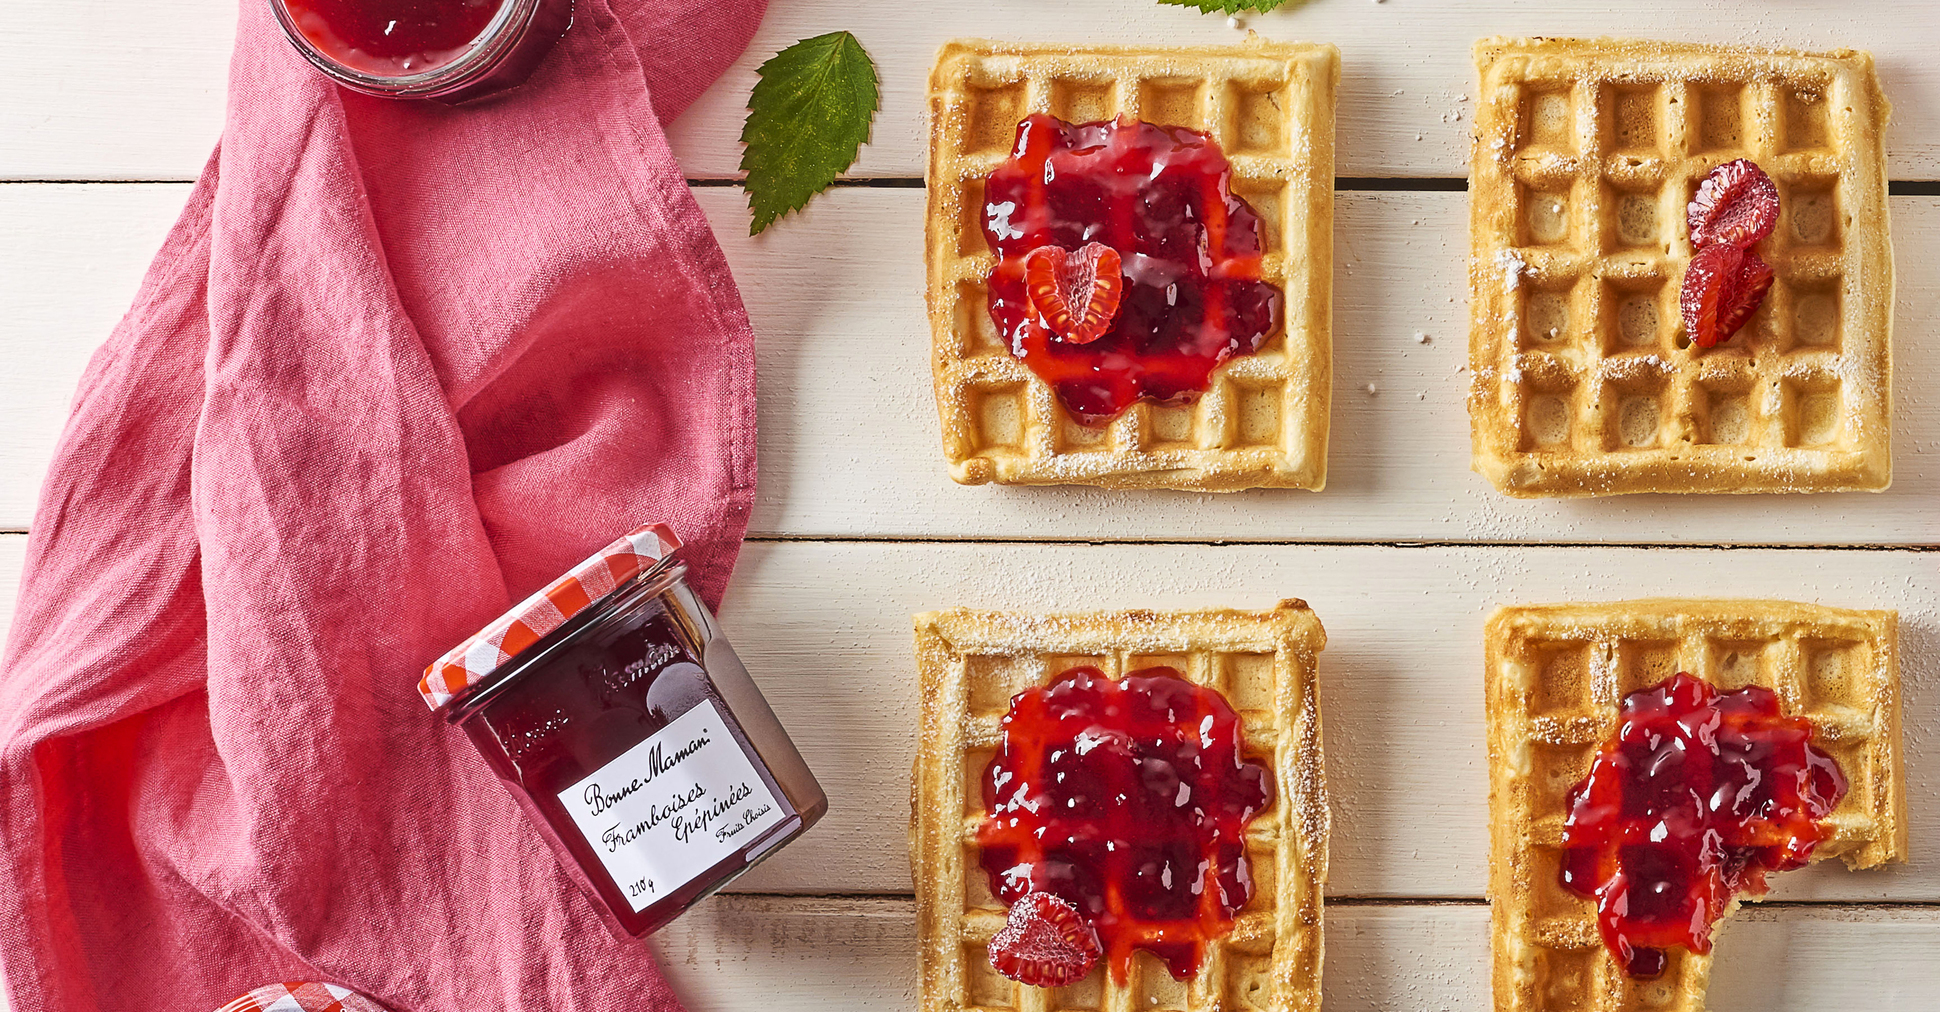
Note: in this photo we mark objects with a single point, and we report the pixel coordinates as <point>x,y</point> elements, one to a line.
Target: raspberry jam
<point>1128,799</point>
<point>641,750</point>
<point>448,50</point>
<point>392,37</point>
<point>1191,252</point>
<point>1699,796</point>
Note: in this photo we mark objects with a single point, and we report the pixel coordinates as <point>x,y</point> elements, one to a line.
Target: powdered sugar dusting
<point>1512,267</point>
<point>1816,405</point>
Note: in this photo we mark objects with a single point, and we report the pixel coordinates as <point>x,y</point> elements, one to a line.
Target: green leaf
<point>807,117</point>
<point>1228,6</point>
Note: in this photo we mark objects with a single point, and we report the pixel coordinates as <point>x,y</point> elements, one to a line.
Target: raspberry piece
<point>1723,286</point>
<point>1737,204</point>
<point>1075,293</point>
<point>1044,943</point>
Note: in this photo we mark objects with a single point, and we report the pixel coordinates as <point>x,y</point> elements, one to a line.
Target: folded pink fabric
<point>397,365</point>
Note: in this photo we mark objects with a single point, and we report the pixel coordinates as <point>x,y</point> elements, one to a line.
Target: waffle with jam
<point>972,664</point>
<point>1557,679</point>
<point>1585,381</point>
<point>1226,267</point>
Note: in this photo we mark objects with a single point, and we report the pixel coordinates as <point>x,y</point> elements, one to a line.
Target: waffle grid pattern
<point>1263,421</point>
<point>971,662</point>
<point>1556,676</point>
<point>1584,383</point>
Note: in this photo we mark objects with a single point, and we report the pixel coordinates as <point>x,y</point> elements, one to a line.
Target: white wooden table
<point>109,107</point>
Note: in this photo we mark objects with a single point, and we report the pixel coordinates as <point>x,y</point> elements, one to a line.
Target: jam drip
<point>1192,295</point>
<point>1129,800</point>
<point>1699,796</point>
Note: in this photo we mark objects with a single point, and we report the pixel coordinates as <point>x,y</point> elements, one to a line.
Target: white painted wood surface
<point>107,89</point>
<point>741,952</point>
<point>70,262</point>
<point>858,524</point>
<point>849,444</point>
<point>825,628</point>
<point>1402,702</point>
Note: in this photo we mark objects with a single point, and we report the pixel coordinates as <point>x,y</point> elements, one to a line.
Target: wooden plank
<point>849,443</point>
<point>73,258</point>
<point>743,952</point>
<point>804,954</point>
<point>824,626</point>
<point>1401,678</point>
<point>13,555</point>
<point>1405,66</point>
<point>117,90</point>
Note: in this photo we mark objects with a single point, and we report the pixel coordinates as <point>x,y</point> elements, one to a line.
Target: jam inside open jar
<point>634,739</point>
<point>449,50</point>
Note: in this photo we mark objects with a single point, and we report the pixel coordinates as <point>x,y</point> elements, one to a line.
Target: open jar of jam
<point>620,718</point>
<point>449,50</point>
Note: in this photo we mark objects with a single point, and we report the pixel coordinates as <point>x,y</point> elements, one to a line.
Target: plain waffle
<point>1556,676</point>
<point>1586,153</point>
<point>972,662</point>
<point>1263,422</point>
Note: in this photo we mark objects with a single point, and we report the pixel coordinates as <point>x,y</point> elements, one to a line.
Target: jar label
<point>673,806</point>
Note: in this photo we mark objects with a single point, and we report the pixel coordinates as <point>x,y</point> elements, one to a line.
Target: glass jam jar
<point>449,50</point>
<point>628,730</point>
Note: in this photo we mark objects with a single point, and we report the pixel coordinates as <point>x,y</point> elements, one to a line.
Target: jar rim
<point>653,579</point>
<point>483,55</point>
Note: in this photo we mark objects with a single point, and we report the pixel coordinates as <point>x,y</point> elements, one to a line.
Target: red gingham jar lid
<point>306,996</point>
<point>470,662</point>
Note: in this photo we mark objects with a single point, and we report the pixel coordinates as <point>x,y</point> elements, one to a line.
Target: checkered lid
<point>470,662</point>
<point>307,996</point>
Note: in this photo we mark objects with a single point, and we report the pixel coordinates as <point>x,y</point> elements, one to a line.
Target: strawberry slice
<point>1045,943</point>
<point>1723,286</point>
<point>1737,204</point>
<point>1076,292</point>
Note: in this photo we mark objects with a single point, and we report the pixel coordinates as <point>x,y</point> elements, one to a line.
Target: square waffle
<point>1584,382</point>
<point>1556,676</point>
<point>972,662</point>
<point>1263,420</point>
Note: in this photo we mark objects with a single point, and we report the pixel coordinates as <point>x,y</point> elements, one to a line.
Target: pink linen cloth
<point>397,365</point>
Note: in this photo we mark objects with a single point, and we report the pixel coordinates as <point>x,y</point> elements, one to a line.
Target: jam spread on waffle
<point>1190,254</point>
<point>1129,800</point>
<point>1700,795</point>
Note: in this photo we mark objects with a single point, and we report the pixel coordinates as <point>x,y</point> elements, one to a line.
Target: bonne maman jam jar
<point>620,718</point>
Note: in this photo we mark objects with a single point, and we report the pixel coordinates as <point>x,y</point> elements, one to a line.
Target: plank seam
<point>1410,901</point>
<point>884,539</point>
<point>1349,184</point>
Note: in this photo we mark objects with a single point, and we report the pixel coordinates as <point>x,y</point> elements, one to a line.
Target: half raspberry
<point>1075,292</point>
<point>1737,204</point>
<point>1045,943</point>
<point>1723,287</point>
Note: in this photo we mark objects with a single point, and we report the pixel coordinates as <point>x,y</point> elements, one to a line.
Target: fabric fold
<point>397,365</point>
